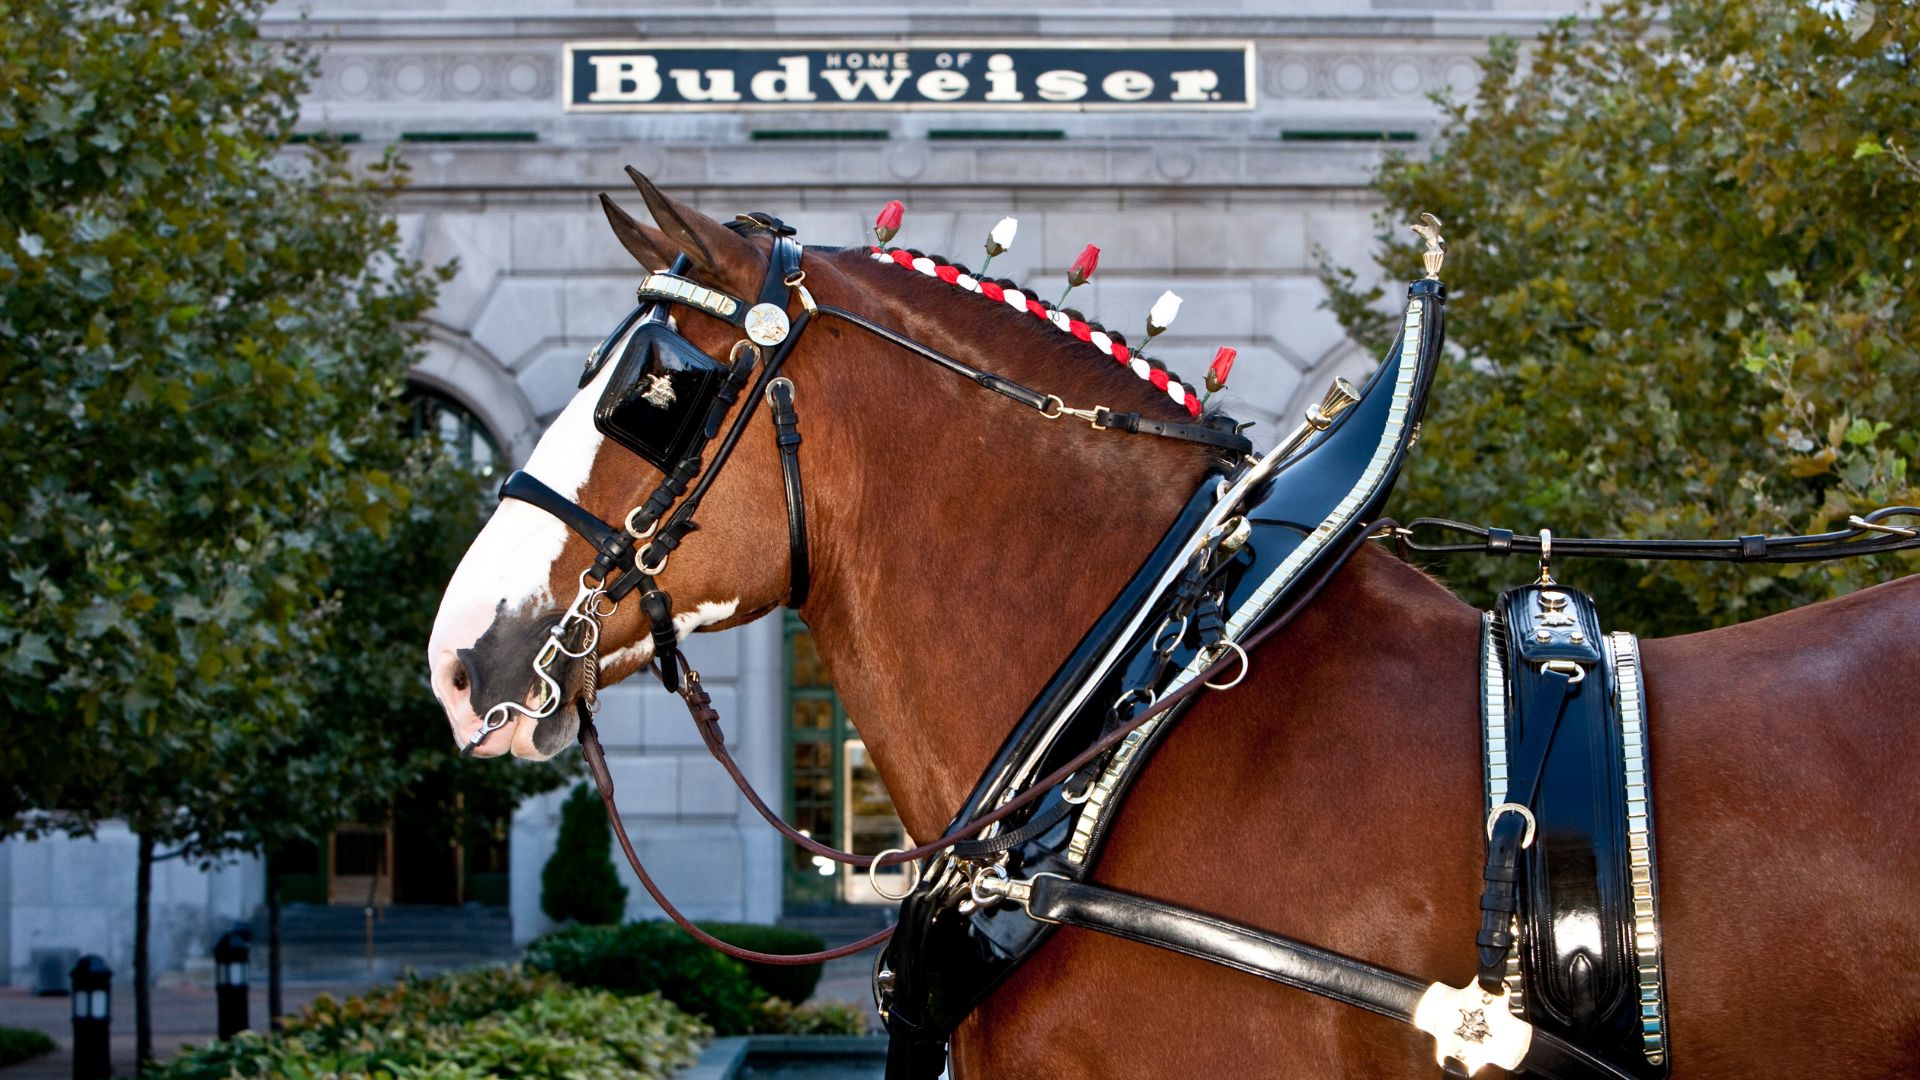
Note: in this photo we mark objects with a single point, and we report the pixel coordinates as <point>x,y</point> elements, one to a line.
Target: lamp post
<point>230,979</point>
<point>92,982</point>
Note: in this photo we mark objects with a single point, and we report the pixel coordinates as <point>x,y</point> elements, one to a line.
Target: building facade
<point>1219,149</point>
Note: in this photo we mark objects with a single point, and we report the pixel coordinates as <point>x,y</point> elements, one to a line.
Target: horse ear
<point>708,243</point>
<point>647,246</point>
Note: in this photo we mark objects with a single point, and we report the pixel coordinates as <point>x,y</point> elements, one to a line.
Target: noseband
<point>668,400</point>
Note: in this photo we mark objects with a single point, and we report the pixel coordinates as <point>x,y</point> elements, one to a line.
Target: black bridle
<point>667,401</point>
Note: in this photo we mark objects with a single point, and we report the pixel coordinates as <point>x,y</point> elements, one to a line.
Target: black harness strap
<point>1868,536</point>
<point>613,544</point>
<point>1135,424</point>
<point>1227,438</point>
<point>786,432</point>
<point>1274,957</point>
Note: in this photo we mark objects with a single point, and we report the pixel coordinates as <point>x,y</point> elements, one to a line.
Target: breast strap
<point>1279,959</point>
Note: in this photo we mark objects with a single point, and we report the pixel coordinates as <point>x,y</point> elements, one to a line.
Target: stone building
<point>1241,159</point>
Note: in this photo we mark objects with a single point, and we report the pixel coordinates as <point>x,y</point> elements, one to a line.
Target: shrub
<point>777,1017</point>
<point>653,957</point>
<point>578,881</point>
<point>465,1026</point>
<point>793,982</point>
<point>458,997</point>
<point>19,1044</point>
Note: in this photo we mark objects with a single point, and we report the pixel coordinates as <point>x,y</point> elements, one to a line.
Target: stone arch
<point>462,369</point>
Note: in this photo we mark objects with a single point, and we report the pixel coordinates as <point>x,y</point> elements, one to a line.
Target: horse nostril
<point>460,677</point>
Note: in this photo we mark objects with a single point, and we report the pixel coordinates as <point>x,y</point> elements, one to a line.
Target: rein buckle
<point>1095,417</point>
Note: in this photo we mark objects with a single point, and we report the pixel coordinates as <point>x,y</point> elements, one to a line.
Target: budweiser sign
<point>643,76</point>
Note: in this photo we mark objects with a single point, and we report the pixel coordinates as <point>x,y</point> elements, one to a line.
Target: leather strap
<point>1868,536</point>
<point>786,433</point>
<point>1500,901</point>
<point>596,759</point>
<point>1134,423</point>
<point>1276,958</point>
<point>614,547</point>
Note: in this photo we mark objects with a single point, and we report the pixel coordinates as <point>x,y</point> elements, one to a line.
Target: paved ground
<point>182,1014</point>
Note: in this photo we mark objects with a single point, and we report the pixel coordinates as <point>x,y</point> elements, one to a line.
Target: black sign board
<point>616,76</point>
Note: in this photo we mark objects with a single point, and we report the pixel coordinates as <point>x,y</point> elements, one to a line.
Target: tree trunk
<point>142,966</point>
<point>273,941</point>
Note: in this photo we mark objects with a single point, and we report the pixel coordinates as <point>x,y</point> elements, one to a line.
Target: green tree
<point>210,615</point>
<point>1683,299</point>
<point>373,733</point>
<point>578,881</point>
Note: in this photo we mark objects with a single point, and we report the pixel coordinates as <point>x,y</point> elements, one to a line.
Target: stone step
<point>332,938</point>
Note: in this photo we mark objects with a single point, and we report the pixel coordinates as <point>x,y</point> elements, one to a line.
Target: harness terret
<point>1252,548</point>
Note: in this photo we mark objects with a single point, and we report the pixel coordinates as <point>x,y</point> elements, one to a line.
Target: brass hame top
<point>1436,253</point>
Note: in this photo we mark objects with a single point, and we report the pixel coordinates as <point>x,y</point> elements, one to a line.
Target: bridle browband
<point>629,556</point>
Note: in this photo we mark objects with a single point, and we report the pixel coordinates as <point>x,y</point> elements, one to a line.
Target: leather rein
<point>630,555</point>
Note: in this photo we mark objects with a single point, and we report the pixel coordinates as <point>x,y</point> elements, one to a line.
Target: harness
<point>1252,548</point>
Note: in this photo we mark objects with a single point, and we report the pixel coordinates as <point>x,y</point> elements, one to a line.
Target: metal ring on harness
<point>635,533</point>
<point>1571,669</point>
<point>874,880</point>
<point>651,571</point>
<point>986,872</point>
<point>1245,664</point>
<point>777,382</point>
<point>1511,808</point>
<point>592,599</point>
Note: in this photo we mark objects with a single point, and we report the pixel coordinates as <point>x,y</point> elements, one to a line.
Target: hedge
<point>463,1026</point>
<point>642,957</point>
<point>20,1044</point>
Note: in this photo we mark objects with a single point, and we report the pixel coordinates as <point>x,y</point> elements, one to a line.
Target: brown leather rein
<point>707,720</point>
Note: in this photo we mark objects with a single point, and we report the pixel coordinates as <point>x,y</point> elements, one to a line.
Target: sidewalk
<point>182,1015</point>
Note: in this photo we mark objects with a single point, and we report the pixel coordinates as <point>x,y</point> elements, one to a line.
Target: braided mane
<point>1067,320</point>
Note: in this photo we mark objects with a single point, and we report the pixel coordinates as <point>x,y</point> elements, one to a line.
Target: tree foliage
<point>1682,293</point>
<point>219,530</point>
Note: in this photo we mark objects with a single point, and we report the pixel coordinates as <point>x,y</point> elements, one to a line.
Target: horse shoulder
<point>1787,826</point>
<point>1334,796</point>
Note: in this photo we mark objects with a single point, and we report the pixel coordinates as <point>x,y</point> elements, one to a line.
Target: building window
<point>834,793</point>
<point>458,431</point>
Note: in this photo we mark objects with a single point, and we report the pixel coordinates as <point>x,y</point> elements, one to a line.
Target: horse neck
<point>964,545</point>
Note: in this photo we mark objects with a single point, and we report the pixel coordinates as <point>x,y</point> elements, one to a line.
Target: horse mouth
<point>542,739</point>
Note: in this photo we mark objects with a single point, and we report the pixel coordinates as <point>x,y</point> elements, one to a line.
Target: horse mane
<point>1116,376</point>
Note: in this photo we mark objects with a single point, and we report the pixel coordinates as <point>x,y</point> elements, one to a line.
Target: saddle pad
<point>1565,728</point>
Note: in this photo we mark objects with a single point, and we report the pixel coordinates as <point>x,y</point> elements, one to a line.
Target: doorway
<point>833,791</point>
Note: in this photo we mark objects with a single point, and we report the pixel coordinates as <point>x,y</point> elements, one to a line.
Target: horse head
<point>516,581</point>
<point>978,470</point>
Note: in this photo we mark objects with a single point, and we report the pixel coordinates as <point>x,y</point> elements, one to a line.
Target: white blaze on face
<point>508,567</point>
<point>621,662</point>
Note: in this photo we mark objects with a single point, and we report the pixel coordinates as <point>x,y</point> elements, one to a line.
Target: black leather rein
<point>1868,536</point>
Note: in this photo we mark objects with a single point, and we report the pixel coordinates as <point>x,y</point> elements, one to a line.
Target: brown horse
<point>962,545</point>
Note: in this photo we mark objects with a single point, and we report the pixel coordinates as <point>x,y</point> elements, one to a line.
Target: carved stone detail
<point>513,76</point>
<point>1364,76</point>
